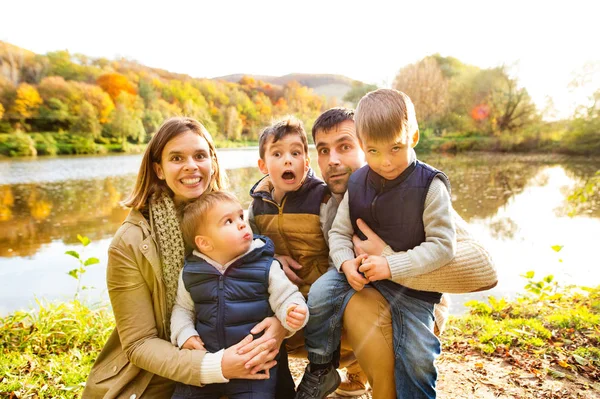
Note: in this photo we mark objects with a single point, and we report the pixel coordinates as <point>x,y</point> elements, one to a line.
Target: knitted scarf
<point>166,225</point>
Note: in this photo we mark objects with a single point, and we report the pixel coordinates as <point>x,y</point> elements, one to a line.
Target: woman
<point>145,258</point>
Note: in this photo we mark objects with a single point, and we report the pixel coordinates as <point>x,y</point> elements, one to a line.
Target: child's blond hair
<point>385,115</point>
<point>195,213</point>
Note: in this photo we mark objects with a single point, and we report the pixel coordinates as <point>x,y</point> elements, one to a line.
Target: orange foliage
<point>114,84</point>
<point>480,112</point>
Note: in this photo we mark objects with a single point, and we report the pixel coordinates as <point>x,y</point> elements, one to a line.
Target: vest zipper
<point>373,213</point>
<point>220,328</point>
<point>280,221</point>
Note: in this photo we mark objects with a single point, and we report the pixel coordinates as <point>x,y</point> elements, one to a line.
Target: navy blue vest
<point>229,305</point>
<point>393,209</point>
<point>307,199</point>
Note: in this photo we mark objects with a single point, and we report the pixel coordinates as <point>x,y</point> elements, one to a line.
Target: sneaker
<point>353,385</point>
<point>319,384</point>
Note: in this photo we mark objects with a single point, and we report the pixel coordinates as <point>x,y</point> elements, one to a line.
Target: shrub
<point>17,145</point>
<point>45,143</point>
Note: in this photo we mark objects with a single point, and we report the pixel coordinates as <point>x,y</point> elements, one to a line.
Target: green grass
<point>562,327</point>
<point>48,352</point>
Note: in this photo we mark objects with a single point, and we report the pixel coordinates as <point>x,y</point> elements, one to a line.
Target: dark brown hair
<point>331,118</point>
<point>278,130</point>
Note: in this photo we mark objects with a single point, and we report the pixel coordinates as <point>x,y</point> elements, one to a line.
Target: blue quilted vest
<point>393,209</point>
<point>229,305</point>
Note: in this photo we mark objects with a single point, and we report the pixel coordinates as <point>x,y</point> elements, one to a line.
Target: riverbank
<point>19,144</point>
<point>545,344</point>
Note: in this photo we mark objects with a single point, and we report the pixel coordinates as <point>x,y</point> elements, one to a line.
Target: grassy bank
<point>550,335</point>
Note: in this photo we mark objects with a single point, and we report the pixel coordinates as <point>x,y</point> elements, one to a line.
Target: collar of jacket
<point>379,182</point>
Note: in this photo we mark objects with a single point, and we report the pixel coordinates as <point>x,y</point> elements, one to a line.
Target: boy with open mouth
<point>289,204</point>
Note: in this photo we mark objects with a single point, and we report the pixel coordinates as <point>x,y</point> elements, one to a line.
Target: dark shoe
<point>319,384</point>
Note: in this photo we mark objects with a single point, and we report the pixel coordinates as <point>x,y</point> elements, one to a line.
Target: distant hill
<point>328,85</point>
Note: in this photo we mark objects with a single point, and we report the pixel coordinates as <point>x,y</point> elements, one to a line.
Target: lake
<point>516,206</point>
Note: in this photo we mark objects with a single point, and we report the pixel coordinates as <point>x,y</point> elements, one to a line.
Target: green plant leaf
<point>74,254</point>
<point>91,261</point>
<point>83,239</point>
<point>557,248</point>
<point>73,273</point>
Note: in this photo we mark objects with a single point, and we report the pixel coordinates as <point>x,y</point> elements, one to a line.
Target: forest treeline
<point>82,101</point>
<point>462,107</point>
<point>70,103</point>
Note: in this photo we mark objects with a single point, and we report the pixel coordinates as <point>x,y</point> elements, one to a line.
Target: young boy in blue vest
<point>406,203</point>
<point>228,284</point>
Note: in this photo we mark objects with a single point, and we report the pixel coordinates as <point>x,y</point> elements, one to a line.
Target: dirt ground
<point>474,376</point>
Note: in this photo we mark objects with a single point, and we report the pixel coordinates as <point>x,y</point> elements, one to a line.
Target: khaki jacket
<point>138,357</point>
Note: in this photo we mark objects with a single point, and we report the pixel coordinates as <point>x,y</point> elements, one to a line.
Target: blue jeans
<point>415,345</point>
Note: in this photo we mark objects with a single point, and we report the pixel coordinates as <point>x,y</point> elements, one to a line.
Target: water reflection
<point>515,205</point>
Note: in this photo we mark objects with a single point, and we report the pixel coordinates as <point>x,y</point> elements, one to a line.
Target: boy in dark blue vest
<point>407,203</point>
<point>228,285</point>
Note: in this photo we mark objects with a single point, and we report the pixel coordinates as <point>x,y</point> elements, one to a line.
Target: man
<point>367,319</point>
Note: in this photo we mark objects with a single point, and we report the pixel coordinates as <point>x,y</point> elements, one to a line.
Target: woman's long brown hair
<point>147,182</point>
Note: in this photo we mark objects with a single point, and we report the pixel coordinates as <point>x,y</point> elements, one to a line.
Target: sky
<point>544,44</point>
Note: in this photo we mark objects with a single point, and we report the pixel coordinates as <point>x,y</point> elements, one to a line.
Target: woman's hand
<point>270,341</point>
<point>235,365</point>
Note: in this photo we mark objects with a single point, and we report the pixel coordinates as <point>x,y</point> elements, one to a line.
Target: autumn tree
<point>125,124</point>
<point>1,110</point>
<point>86,124</point>
<point>426,86</point>
<point>233,124</point>
<point>27,102</point>
<point>357,91</point>
<point>114,84</point>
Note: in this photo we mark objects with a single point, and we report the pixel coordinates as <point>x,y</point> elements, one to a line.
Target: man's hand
<point>375,268</point>
<point>193,342</point>
<point>288,264</point>
<point>350,269</point>
<point>373,245</point>
<point>296,314</point>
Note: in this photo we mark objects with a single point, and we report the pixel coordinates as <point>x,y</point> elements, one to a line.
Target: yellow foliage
<point>27,102</point>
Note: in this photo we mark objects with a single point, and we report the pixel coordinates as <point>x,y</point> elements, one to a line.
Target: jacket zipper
<point>220,328</point>
<point>373,203</point>
<point>280,221</point>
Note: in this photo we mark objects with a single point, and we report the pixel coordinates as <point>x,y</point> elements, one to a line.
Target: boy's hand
<point>193,343</point>
<point>375,268</point>
<point>350,269</point>
<point>296,314</point>
<point>288,263</point>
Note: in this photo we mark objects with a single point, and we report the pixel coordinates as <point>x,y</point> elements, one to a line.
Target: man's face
<point>339,155</point>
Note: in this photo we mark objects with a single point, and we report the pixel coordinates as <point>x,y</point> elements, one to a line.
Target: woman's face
<point>185,166</point>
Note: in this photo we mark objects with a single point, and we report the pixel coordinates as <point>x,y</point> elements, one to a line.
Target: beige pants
<point>367,341</point>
